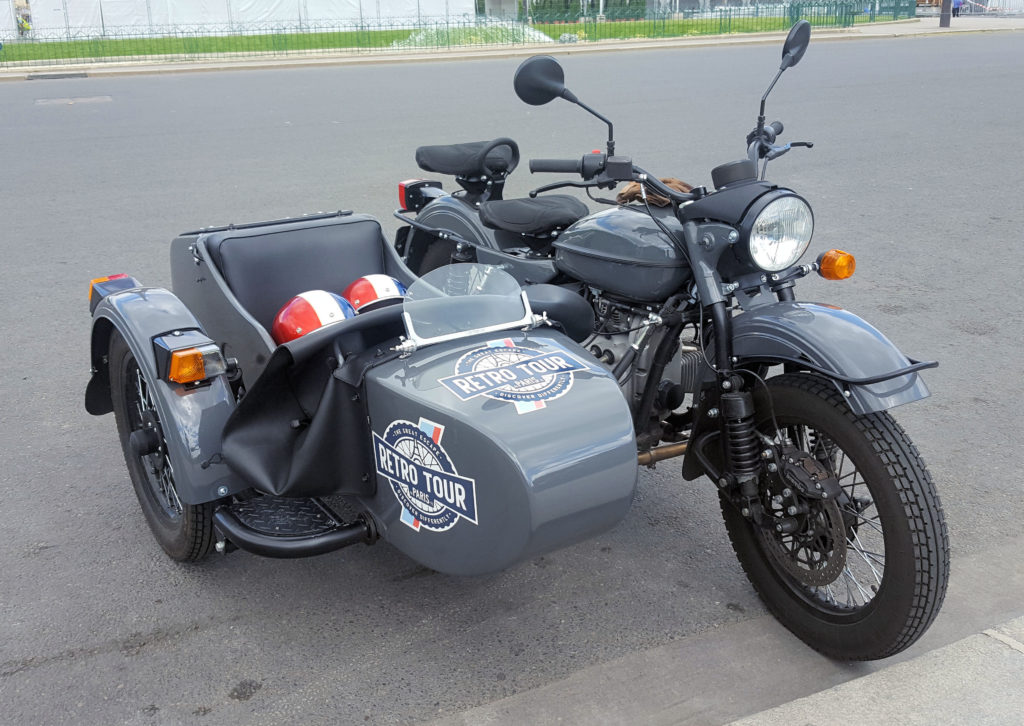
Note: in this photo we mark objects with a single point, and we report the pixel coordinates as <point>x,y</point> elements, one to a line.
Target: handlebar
<point>558,166</point>
<point>600,170</point>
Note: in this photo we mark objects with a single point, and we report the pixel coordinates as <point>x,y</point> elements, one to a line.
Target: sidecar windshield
<point>463,299</point>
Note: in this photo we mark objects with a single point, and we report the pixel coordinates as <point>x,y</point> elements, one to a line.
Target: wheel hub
<point>148,444</point>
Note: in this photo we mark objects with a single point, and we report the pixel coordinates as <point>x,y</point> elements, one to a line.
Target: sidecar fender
<point>192,419</point>
<point>832,342</point>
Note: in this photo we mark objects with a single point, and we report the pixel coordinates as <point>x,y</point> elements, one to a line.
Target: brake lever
<point>774,152</point>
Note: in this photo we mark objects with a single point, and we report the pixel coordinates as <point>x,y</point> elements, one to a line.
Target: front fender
<point>833,342</point>
<point>827,340</point>
<point>192,419</point>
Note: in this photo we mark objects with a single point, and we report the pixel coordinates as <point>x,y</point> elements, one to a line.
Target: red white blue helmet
<point>307,312</point>
<point>374,291</point>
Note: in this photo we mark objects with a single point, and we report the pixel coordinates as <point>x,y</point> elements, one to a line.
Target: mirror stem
<point>760,116</point>
<point>569,96</point>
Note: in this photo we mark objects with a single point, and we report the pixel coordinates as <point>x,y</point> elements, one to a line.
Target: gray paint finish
<point>101,627</point>
<point>833,339</point>
<point>198,415</point>
<point>543,479</point>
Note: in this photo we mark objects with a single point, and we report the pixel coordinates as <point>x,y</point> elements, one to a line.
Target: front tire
<point>185,532</point>
<point>866,574</point>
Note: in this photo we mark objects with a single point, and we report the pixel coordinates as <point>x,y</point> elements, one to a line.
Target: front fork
<point>792,473</point>
<point>737,431</point>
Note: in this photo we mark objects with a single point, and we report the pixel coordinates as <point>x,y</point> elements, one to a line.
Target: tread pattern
<point>921,507</point>
<point>192,536</point>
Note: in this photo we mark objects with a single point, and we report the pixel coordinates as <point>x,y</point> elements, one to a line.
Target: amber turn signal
<point>97,280</point>
<point>836,265</point>
<point>190,365</point>
<point>186,366</point>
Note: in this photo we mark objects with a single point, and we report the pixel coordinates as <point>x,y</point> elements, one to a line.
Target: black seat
<point>533,216</point>
<point>266,266</point>
<point>478,158</point>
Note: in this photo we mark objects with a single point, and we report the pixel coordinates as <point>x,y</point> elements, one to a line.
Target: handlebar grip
<point>558,166</point>
<point>776,127</point>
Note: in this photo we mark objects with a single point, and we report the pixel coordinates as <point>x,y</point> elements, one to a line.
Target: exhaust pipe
<point>669,451</point>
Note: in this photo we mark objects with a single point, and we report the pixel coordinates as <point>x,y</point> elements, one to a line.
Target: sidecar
<point>463,425</point>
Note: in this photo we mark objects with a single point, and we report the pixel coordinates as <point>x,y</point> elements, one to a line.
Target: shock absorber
<point>457,282</point>
<point>742,447</point>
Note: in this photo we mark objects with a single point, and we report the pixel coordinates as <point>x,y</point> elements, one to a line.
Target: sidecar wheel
<point>185,532</point>
<point>866,573</point>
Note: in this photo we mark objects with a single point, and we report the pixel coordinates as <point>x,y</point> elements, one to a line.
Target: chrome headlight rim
<point>750,223</point>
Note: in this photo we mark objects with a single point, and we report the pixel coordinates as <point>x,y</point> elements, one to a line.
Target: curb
<point>975,680</point>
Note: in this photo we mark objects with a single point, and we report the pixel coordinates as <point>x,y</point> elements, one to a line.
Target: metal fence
<point>395,35</point>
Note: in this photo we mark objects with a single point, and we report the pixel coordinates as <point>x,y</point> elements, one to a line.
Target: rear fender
<point>490,247</point>
<point>452,215</point>
<point>192,419</point>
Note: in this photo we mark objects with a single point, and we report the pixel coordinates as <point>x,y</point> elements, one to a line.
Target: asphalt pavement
<point>971,673</point>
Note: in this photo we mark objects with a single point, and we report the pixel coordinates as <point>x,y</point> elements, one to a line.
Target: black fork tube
<point>786,293</point>
<point>721,324</point>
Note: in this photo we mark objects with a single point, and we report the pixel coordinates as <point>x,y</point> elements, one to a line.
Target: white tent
<point>7,22</point>
<point>49,15</point>
<point>79,18</point>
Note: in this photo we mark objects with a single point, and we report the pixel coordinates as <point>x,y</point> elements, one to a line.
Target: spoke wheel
<point>860,576</point>
<point>185,532</point>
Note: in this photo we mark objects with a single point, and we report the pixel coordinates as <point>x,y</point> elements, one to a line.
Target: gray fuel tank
<point>622,251</point>
<point>492,449</point>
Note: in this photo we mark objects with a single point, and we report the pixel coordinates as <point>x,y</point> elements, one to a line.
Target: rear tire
<point>437,255</point>
<point>185,532</point>
<point>891,555</point>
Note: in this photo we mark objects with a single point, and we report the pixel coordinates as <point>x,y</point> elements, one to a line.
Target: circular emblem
<point>532,380</point>
<point>418,448</point>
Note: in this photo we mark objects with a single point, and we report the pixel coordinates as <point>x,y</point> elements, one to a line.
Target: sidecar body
<point>470,445</point>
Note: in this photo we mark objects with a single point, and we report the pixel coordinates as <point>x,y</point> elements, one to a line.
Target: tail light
<point>100,287</point>
<point>413,194</point>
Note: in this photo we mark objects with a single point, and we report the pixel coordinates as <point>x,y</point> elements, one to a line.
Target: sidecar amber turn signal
<point>195,364</point>
<point>100,287</point>
<point>96,281</point>
<point>836,265</point>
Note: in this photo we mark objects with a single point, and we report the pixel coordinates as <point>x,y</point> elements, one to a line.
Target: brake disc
<point>820,544</point>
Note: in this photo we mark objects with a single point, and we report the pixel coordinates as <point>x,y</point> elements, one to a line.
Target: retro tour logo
<point>504,371</point>
<point>424,480</point>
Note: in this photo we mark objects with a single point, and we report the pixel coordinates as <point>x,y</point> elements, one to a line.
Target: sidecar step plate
<point>287,527</point>
<point>285,516</point>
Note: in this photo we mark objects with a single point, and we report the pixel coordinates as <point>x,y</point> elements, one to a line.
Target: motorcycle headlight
<point>780,233</point>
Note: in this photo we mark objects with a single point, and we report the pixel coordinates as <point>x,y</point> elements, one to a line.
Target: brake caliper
<point>807,475</point>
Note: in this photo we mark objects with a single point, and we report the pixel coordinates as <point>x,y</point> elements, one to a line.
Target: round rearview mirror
<point>796,44</point>
<point>539,79</point>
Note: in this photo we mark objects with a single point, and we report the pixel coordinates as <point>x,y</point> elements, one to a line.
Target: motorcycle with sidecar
<point>486,418</point>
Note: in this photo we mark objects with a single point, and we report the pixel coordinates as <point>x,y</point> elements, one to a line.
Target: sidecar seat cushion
<point>267,266</point>
<point>533,216</point>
